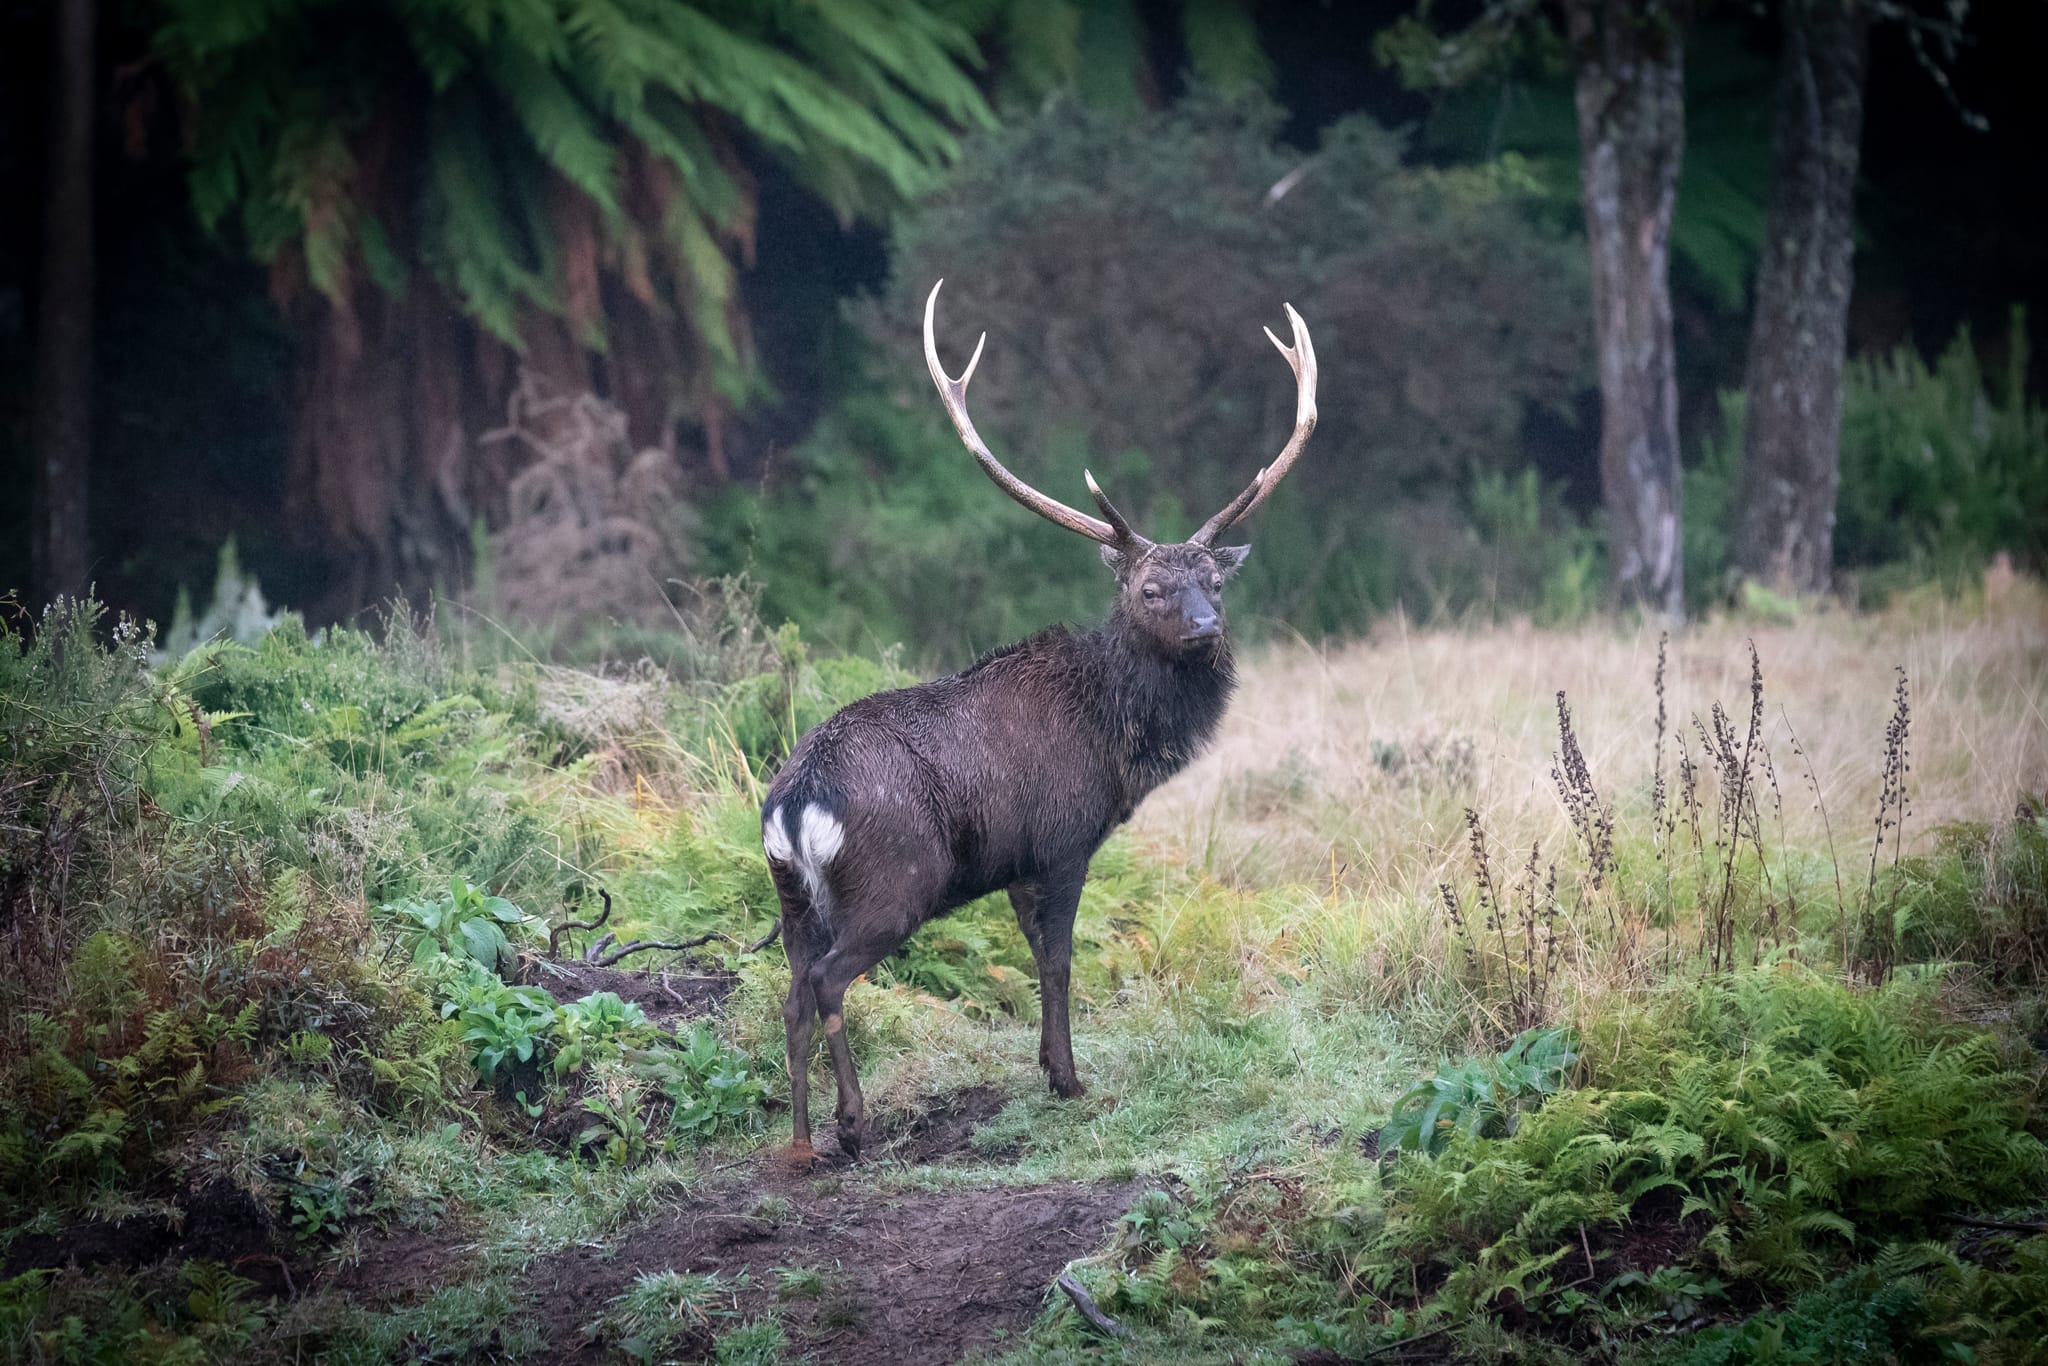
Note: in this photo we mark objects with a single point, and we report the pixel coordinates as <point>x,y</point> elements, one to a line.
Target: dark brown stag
<point>910,804</point>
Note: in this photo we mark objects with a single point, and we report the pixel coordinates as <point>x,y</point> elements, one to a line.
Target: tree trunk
<point>61,432</point>
<point>1628,59</point>
<point>1791,450</point>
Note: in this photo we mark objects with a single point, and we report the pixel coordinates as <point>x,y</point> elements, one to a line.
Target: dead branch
<point>556,932</point>
<point>606,950</point>
<point>2000,1225</point>
<point>1087,1308</point>
<point>604,960</point>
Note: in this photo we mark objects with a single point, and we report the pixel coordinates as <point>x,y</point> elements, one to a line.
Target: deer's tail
<point>801,832</point>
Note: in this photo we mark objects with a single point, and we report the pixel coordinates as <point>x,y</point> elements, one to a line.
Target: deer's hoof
<point>849,1140</point>
<point>801,1156</point>
<point>1068,1088</point>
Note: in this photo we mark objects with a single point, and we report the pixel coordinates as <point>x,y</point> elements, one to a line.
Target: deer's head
<point>1171,593</point>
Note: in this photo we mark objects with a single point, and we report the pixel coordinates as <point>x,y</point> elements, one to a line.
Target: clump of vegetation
<point>666,1314</point>
<point>1937,467</point>
<point>1482,1096</point>
<point>1767,1129</point>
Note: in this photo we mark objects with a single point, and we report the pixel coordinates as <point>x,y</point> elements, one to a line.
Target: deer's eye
<point>1151,593</point>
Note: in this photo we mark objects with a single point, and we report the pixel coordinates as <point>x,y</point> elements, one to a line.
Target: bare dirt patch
<point>669,998</point>
<point>907,1277</point>
<point>942,1128</point>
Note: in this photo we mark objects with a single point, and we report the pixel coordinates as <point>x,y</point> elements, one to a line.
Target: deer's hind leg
<point>830,976</point>
<point>799,1010</point>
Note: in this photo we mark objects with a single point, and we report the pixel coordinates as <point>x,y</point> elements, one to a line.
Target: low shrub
<point>1482,1096</point>
<point>1757,1134</point>
<point>1940,470</point>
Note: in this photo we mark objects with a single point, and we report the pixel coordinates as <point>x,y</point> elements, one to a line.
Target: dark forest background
<point>395,407</point>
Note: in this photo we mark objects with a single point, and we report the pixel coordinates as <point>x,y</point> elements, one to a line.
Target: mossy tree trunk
<point>1628,60</point>
<point>1791,458</point>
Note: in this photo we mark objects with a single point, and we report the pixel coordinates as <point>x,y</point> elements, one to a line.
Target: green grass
<point>254,969</point>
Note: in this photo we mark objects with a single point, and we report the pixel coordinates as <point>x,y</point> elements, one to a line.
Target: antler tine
<point>1301,358</point>
<point>1116,519</point>
<point>954,392</point>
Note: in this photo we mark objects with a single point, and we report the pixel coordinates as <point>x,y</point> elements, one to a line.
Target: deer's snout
<point>1198,618</point>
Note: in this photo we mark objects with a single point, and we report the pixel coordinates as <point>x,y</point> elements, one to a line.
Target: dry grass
<point>1353,763</point>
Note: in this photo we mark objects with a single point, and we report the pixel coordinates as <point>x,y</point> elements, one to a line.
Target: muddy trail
<point>896,1276</point>
<point>855,1267</point>
<point>901,1277</point>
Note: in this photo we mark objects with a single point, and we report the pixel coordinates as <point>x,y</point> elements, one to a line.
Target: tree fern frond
<point>470,242</point>
<point>562,128</point>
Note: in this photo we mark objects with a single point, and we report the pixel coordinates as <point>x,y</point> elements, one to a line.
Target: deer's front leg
<point>1045,912</point>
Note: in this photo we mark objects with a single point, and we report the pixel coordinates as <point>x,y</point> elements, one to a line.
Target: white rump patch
<point>819,836</point>
<point>775,839</point>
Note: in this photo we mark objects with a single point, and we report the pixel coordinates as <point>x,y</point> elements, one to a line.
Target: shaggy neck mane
<point>1160,711</point>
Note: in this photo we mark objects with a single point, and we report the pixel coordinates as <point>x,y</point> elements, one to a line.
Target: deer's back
<point>963,785</point>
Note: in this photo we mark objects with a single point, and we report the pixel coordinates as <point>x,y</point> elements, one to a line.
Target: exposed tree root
<point>606,950</point>
<point>1087,1308</point>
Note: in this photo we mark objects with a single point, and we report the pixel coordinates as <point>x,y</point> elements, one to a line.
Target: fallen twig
<point>1087,1308</point>
<point>1408,1342</point>
<point>2002,1225</point>
<point>598,958</point>
<point>605,950</point>
<point>556,932</point>
<point>670,991</point>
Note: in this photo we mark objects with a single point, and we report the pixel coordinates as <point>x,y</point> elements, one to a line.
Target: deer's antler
<point>1301,358</point>
<point>1115,532</point>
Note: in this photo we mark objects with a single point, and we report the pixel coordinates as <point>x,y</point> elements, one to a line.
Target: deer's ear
<point>1114,558</point>
<point>1230,558</point>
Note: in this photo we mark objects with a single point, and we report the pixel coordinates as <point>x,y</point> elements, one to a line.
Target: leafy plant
<point>1482,1096</point>
<point>620,1135</point>
<point>1156,1222</point>
<point>468,923</point>
<point>317,1207</point>
<point>710,1086</point>
<point>592,1028</point>
<point>1673,1292</point>
<point>218,1302</point>
<point>501,1024</point>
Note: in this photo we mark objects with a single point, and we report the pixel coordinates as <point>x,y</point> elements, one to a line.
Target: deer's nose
<point>1199,621</point>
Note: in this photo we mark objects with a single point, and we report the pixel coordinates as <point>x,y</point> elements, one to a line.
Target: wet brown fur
<point>1006,776</point>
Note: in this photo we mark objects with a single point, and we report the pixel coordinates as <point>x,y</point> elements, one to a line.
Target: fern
<point>860,99</point>
<point>1798,1123</point>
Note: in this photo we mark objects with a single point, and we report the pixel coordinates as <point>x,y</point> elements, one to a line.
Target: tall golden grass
<point>1352,764</point>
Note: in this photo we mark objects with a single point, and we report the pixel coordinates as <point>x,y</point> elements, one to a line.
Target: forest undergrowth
<point>1489,993</point>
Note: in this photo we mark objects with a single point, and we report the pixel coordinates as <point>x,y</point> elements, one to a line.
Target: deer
<point>1006,776</point>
